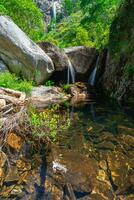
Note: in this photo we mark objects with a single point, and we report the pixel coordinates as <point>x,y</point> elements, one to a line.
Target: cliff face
<point>46,7</point>
<point>118,79</point>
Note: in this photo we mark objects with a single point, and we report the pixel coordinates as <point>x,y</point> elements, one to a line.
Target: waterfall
<point>54,9</point>
<point>70,72</point>
<point>92,77</point>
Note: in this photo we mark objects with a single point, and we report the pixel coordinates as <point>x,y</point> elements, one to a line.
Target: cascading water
<point>92,77</point>
<point>54,9</point>
<point>70,73</point>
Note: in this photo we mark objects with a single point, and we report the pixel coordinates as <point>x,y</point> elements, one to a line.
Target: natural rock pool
<point>93,159</point>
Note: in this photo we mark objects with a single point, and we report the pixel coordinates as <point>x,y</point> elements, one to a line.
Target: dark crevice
<point>114,186</point>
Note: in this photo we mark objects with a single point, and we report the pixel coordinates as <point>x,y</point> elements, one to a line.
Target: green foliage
<point>88,24</point>
<point>26,15</point>
<point>3,11</point>
<point>129,70</point>
<point>49,83</point>
<point>8,80</point>
<point>66,87</point>
<point>70,6</point>
<point>69,33</point>
<point>48,123</point>
<point>97,19</point>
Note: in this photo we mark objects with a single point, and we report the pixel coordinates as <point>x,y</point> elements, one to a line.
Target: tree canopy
<point>26,15</point>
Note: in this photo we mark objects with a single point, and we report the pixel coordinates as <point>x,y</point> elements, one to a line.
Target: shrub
<point>47,123</point>
<point>9,80</point>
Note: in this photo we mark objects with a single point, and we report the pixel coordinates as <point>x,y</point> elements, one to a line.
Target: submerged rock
<point>14,141</point>
<point>21,54</point>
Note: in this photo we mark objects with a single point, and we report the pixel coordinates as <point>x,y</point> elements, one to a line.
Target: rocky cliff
<point>118,79</point>
<point>47,8</point>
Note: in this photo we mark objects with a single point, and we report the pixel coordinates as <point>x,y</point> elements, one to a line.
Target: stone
<point>125,130</point>
<point>104,189</point>
<point>46,7</point>
<point>3,67</point>
<point>3,159</point>
<point>14,141</point>
<point>12,175</point>
<point>82,58</point>
<point>118,166</point>
<point>127,141</point>
<point>2,103</point>
<point>58,56</point>
<point>43,96</point>
<point>21,55</point>
<point>105,145</point>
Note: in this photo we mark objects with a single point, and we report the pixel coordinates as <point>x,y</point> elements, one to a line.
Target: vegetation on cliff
<point>26,15</point>
<point>88,23</point>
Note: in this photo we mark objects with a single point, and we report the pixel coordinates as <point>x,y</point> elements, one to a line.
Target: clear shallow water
<point>96,151</point>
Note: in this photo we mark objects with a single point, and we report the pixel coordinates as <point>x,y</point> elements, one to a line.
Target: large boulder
<point>82,58</point>
<point>3,67</point>
<point>58,56</point>
<point>21,54</point>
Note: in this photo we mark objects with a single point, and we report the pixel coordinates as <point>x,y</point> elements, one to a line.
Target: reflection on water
<point>96,151</point>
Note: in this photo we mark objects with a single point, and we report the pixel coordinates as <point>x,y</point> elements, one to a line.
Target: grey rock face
<point>21,54</point>
<point>46,7</point>
<point>3,67</point>
<point>81,58</point>
<point>58,56</point>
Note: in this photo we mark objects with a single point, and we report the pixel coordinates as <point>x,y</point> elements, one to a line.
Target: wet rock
<point>22,165</point>
<point>95,197</point>
<point>3,167</point>
<point>12,175</point>
<point>21,55</point>
<point>127,141</point>
<point>104,189</point>
<point>118,167</point>
<point>82,58</point>
<point>81,93</point>
<point>125,130</point>
<point>3,159</point>
<point>129,197</point>
<point>83,174</point>
<point>107,137</point>
<point>56,192</point>
<point>14,141</point>
<point>105,145</point>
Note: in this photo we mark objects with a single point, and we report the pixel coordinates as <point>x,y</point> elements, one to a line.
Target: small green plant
<point>9,80</point>
<point>66,87</point>
<point>47,123</point>
<point>49,83</point>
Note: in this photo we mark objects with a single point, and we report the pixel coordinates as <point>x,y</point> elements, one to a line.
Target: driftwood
<point>11,95</point>
<point>12,98</point>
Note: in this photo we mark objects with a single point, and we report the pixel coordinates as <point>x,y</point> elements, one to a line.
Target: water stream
<point>54,10</point>
<point>70,73</point>
<point>91,159</point>
<point>92,77</point>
